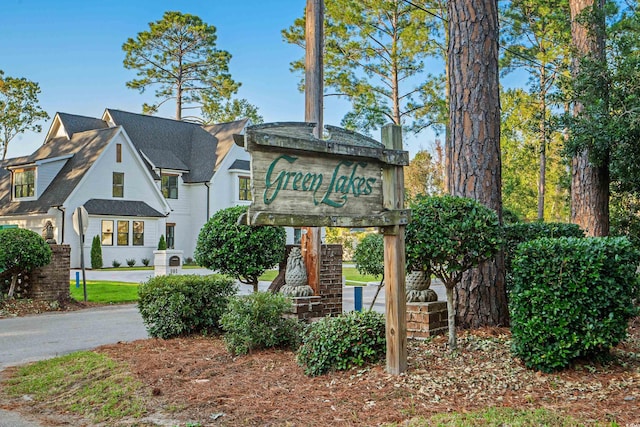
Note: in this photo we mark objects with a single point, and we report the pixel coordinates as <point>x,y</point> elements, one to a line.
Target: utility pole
<point>313,91</point>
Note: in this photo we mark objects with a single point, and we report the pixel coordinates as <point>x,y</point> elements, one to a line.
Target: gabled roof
<point>85,147</point>
<point>120,208</point>
<point>73,123</point>
<point>177,145</point>
<point>223,132</point>
<point>244,165</point>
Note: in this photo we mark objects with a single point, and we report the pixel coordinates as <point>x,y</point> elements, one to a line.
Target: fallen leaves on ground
<point>195,380</point>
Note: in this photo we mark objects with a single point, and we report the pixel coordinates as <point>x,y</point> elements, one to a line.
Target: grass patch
<point>351,275</point>
<point>105,292</point>
<point>85,383</point>
<point>497,417</point>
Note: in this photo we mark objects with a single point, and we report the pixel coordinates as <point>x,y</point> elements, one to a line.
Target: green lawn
<point>351,275</point>
<point>106,292</point>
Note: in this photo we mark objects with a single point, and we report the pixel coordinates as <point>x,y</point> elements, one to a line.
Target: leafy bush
<point>447,236</point>
<point>131,262</point>
<point>96,253</point>
<point>116,263</point>
<point>22,250</point>
<point>369,255</point>
<point>239,250</point>
<point>343,342</point>
<point>256,321</point>
<point>178,305</point>
<point>571,298</point>
<point>145,261</point>
<point>162,244</point>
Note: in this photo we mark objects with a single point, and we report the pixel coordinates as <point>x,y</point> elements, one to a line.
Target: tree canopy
<point>178,56</point>
<point>19,109</point>
<point>375,53</point>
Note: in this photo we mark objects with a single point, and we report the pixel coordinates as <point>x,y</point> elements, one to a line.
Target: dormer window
<point>170,186</point>
<point>24,183</point>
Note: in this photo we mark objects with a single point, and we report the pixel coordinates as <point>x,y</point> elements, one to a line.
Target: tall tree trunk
<point>589,183</point>
<point>475,166</point>
<point>543,143</point>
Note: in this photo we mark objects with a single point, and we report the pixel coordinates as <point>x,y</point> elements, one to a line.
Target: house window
<point>118,153</point>
<point>245,188</point>
<point>107,233</point>
<point>24,183</point>
<point>170,186</point>
<point>138,233</point>
<point>123,233</point>
<point>118,184</point>
<point>171,235</point>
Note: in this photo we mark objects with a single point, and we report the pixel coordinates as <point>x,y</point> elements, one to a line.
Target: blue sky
<point>73,49</point>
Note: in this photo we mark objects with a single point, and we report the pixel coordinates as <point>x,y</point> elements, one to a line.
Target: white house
<point>138,176</point>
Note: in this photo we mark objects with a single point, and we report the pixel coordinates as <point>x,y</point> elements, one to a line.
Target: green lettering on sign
<point>347,179</point>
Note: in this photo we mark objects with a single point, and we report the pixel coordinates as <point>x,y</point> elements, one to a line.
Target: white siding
<point>45,173</point>
<point>97,184</point>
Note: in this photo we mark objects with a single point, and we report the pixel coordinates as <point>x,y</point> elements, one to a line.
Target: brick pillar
<point>51,282</point>
<point>331,280</point>
<point>425,319</point>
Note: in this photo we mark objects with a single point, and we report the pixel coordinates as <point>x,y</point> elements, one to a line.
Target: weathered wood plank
<point>384,219</point>
<point>301,183</point>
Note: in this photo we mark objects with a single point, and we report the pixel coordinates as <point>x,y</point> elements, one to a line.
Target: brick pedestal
<point>331,280</point>
<point>51,282</point>
<point>307,308</point>
<point>426,319</point>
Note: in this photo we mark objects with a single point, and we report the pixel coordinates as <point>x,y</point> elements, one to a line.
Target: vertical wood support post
<point>394,259</point>
<point>313,91</point>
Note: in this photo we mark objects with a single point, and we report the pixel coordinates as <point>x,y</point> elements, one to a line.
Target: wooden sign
<point>299,180</point>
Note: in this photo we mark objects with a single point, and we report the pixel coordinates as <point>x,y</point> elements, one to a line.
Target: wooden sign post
<point>394,259</point>
<point>346,180</point>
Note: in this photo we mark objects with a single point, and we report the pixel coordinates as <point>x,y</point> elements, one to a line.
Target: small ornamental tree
<point>241,251</point>
<point>22,250</point>
<point>96,253</point>
<point>447,236</point>
<point>369,259</point>
<point>162,244</point>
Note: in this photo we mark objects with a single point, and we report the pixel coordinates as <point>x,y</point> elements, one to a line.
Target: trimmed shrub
<point>256,321</point>
<point>96,253</point>
<point>115,263</point>
<point>22,250</point>
<point>343,342</point>
<point>145,261</point>
<point>162,244</point>
<point>571,298</point>
<point>131,262</point>
<point>238,250</point>
<point>523,232</point>
<point>178,305</point>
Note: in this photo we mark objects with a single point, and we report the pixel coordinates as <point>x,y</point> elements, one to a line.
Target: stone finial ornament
<point>295,276</point>
<point>47,232</point>
<point>417,287</point>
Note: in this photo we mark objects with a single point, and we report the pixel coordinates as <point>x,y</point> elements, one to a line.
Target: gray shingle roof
<point>241,164</point>
<point>86,147</point>
<point>120,208</point>
<point>75,124</point>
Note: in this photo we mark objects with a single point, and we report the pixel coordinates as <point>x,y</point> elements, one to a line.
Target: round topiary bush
<point>22,250</point>
<point>240,251</point>
<point>343,342</point>
<point>449,235</point>
<point>179,305</point>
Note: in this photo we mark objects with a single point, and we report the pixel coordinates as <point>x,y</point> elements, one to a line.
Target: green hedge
<point>343,342</point>
<point>515,234</point>
<point>571,298</point>
<point>179,305</point>
<point>257,321</point>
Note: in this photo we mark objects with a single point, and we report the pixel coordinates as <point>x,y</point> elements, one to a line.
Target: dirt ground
<point>195,382</point>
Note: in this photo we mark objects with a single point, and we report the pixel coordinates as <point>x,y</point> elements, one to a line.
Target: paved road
<point>31,338</point>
